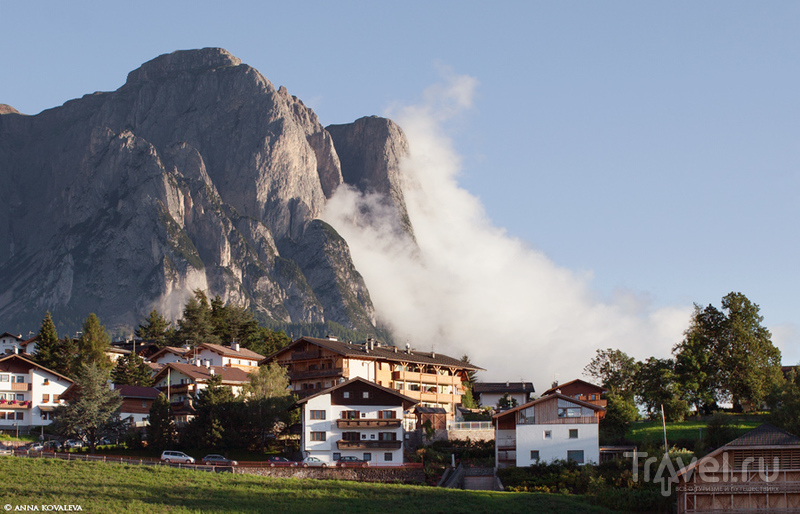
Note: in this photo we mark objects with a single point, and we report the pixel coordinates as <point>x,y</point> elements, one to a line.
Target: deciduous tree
<point>615,371</point>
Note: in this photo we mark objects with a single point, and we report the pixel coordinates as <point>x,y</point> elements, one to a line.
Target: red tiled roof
<point>131,391</point>
<point>230,375</point>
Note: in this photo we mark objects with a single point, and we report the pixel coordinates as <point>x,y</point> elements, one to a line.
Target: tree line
<point>93,408</point>
<point>726,356</point>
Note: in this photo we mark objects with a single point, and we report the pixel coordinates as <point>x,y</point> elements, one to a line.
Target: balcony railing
<point>14,386</point>
<point>473,425</point>
<point>431,397</point>
<point>313,354</point>
<point>426,378</point>
<point>369,445</point>
<point>369,423</point>
<point>506,443</point>
<point>315,373</point>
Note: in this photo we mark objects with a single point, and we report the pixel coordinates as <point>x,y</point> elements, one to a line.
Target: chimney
<point>332,337</point>
<point>555,383</point>
<point>211,371</point>
<point>235,346</point>
<point>508,384</point>
<point>433,355</point>
<point>395,349</point>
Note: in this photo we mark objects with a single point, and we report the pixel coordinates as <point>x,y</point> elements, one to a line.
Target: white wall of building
<point>556,447</point>
<point>40,383</point>
<point>362,368</point>
<point>325,450</point>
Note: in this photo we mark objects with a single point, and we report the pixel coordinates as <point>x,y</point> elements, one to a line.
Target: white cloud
<point>470,288</point>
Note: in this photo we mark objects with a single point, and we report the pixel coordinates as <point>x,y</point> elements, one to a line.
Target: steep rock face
<point>195,173</point>
<point>370,151</point>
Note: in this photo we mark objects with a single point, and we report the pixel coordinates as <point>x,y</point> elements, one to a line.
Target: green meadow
<point>652,432</point>
<point>118,488</point>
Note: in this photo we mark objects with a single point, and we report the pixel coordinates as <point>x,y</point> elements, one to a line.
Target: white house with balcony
<point>28,393</point>
<point>355,418</point>
<point>554,427</point>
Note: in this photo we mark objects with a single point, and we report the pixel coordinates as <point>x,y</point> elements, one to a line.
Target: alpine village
<point>243,349</point>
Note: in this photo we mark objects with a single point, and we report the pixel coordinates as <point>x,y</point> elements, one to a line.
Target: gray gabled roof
<point>502,387</point>
<point>386,353</point>
<point>766,435</point>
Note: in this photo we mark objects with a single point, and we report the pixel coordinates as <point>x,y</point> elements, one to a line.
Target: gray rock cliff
<point>196,173</point>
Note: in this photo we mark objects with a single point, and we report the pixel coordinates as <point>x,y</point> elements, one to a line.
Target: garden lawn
<point>118,488</point>
<point>652,432</point>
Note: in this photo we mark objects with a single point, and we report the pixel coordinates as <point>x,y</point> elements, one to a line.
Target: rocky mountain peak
<point>182,61</point>
<point>197,173</point>
<point>7,109</point>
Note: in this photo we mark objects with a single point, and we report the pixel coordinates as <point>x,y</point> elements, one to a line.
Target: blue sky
<point>650,147</point>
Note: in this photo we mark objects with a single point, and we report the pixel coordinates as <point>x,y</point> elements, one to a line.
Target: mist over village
<point>548,271</point>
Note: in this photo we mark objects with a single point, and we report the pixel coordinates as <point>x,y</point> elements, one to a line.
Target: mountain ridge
<point>195,173</point>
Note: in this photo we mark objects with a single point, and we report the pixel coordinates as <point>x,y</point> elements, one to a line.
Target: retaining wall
<point>373,474</point>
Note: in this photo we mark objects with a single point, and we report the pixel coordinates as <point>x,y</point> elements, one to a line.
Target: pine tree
<point>132,370</point>
<point>47,344</point>
<point>161,428</point>
<point>154,329</point>
<point>67,357</point>
<point>94,343</point>
<point>93,408</point>
<point>196,326</point>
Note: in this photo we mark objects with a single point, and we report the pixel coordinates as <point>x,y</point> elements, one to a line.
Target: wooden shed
<point>758,472</point>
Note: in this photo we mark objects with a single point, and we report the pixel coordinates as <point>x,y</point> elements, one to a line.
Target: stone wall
<point>470,435</point>
<point>373,474</point>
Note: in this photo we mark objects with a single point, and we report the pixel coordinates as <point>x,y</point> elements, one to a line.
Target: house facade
<point>10,343</point>
<point>488,394</point>
<point>431,379</point>
<point>182,384</point>
<point>355,418</point>
<point>136,403</point>
<point>28,393</point>
<point>758,472</point>
<point>210,355</point>
<point>554,427</point>
<point>581,390</point>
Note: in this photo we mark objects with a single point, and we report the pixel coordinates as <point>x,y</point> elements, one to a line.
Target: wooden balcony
<point>369,423</point>
<point>14,386</point>
<point>299,356</point>
<point>315,373</point>
<point>369,445</point>
<point>431,397</point>
<point>16,405</point>
<point>426,378</point>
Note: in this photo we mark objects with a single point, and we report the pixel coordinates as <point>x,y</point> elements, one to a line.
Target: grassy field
<point>116,488</point>
<point>691,429</point>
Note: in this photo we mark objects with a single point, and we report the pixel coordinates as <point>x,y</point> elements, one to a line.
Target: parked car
<point>312,462</point>
<point>73,443</point>
<point>35,447</point>
<point>52,445</point>
<point>281,461</point>
<point>218,460</point>
<point>348,461</point>
<point>169,456</point>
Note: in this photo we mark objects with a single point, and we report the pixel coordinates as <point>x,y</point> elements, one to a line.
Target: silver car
<point>312,462</point>
<point>170,456</point>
